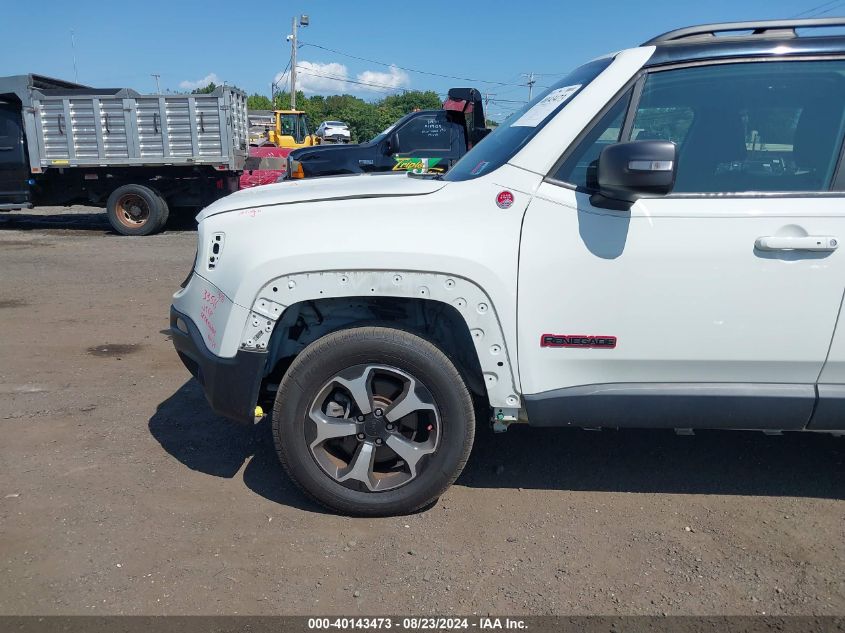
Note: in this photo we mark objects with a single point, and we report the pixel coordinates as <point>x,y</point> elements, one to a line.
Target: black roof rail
<point>761,28</point>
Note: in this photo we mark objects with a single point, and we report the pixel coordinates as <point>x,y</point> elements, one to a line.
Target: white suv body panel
<point>268,235</point>
<point>678,282</point>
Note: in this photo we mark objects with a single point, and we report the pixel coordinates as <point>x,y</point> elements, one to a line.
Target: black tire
<point>318,364</point>
<point>165,213</point>
<point>135,210</point>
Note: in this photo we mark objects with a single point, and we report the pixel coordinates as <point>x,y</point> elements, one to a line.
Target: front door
<point>14,171</point>
<point>427,142</point>
<point>724,293</point>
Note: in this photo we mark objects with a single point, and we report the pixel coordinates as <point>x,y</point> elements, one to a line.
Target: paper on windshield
<point>543,108</point>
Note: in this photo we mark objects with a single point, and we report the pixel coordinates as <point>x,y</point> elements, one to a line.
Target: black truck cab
<point>426,140</point>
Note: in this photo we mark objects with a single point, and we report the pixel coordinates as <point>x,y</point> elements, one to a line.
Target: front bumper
<point>231,385</point>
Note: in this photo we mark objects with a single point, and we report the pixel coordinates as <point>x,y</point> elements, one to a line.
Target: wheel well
<point>305,322</point>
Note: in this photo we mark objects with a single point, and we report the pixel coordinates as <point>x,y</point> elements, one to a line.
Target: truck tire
<point>135,210</point>
<point>165,213</point>
<point>373,421</point>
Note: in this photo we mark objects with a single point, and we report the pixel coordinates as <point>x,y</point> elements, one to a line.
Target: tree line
<point>365,119</point>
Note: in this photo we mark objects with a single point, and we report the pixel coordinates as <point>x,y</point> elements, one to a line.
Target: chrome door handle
<point>808,243</point>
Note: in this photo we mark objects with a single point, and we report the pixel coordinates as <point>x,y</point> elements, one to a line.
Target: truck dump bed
<point>78,126</point>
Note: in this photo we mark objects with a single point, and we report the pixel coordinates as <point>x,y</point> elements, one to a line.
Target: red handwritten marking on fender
<point>213,299</point>
<point>249,212</point>
<point>207,315</point>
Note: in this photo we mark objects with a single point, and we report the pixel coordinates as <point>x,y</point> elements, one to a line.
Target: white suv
<point>334,132</point>
<point>653,242</point>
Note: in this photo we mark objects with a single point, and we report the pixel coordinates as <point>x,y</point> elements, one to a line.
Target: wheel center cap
<point>373,427</point>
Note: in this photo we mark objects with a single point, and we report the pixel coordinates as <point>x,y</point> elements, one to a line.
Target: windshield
<point>505,141</point>
<point>388,130</point>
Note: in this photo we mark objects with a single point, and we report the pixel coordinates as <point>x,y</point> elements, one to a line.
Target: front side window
<point>426,132</point>
<point>288,124</point>
<point>741,127</point>
<point>10,136</point>
<point>580,166</point>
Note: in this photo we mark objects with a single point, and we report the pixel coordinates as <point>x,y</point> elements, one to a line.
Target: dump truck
<point>139,156</point>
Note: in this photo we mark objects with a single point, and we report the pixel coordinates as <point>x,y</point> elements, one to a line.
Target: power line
<point>821,6</point>
<point>836,6</point>
<point>385,87</point>
<point>410,70</point>
<point>309,71</point>
<point>278,82</point>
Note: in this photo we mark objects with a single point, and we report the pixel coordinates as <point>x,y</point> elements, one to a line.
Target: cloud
<point>314,77</point>
<point>395,78</point>
<point>333,78</point>
<point>200,83</point>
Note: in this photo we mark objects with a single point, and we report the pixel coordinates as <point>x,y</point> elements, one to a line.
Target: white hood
<point>329,188</point>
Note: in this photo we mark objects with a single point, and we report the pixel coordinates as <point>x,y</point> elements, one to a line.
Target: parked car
<point>652,242</point>
<point>266,164</point>
<point>333,132</point>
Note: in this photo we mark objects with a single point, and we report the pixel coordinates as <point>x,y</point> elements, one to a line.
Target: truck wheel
<point>373,421</point>
<point>135,210</point>
<point>165,213</point>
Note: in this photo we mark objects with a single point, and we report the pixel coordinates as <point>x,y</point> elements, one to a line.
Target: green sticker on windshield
<point>409,163</point>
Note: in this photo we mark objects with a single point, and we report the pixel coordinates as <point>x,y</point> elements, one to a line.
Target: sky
<point>366,48</point>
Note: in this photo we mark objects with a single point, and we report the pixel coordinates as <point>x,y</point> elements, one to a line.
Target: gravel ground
<point>121,493</point>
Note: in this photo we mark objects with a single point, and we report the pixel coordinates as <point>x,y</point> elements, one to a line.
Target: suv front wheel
<point>373,421</point>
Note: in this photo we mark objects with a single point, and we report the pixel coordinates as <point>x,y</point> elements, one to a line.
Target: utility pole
<point>530,83</point>
<point>158,85</point>
<point>293,67</point>
<point>487,96</point>
<point>298,20</point>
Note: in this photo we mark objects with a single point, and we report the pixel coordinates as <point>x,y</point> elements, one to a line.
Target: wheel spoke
<point>361,466</point>
<point>359,388</point>
<point>407,403</point>
<point>344,409</point>
<point>410,452</point>
<point>330,428</point>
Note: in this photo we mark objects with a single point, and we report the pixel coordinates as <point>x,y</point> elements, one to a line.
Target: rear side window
<point>742,127</point>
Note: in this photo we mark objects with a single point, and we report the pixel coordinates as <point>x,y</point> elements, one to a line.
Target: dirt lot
<point>121,493</point>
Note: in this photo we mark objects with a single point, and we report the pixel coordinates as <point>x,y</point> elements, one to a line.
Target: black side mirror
<point>629,171</point>
<point>392,145</point>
